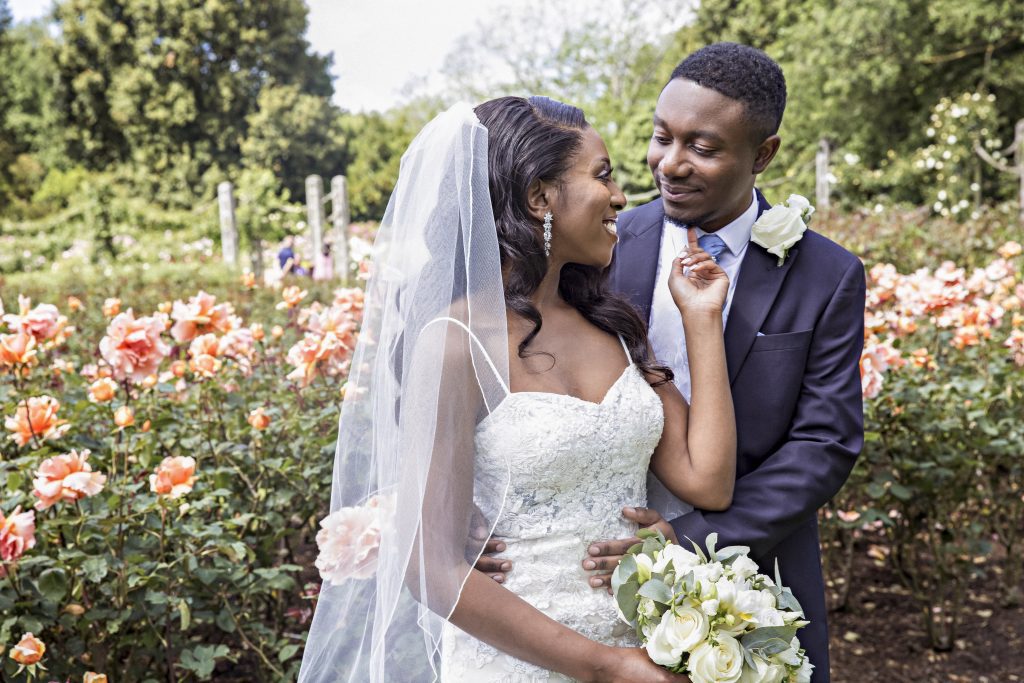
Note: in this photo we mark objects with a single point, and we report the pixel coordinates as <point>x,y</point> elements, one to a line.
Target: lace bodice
<point>574,464</point>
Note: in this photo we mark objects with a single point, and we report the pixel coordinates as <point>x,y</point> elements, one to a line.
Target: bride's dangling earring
<point>547,234</point>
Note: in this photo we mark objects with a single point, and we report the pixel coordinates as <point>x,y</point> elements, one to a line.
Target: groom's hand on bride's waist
<point>604,556</point>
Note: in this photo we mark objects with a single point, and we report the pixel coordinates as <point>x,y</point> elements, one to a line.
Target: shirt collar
<point>735,234</point>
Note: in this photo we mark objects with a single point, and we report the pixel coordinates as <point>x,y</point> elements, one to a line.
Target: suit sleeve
<point>825,437</point>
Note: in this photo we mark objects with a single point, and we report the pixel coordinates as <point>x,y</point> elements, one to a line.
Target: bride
<point>495,375</point>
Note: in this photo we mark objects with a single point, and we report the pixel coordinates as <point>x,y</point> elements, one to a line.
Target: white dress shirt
<point>666,325</point>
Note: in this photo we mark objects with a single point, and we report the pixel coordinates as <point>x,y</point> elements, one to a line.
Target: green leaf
<point>202,659</point>
<point>769,640</point>
<point>287,652</point>
<point>53,584</point>
<point>625,572</point>
<point>625,597</point>
<point>95,568</point>
<point>656,590</point>
<point>225,622</point>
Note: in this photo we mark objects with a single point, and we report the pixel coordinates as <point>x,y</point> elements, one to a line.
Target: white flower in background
<point>766,672</point>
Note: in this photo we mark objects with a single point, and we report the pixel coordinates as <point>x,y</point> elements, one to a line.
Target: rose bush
<point>177,476</point>
<point>941,473</point>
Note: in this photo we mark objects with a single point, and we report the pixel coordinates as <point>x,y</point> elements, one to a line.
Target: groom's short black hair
<point>742,73</point>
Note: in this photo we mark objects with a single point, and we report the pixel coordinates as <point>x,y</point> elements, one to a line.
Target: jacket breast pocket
<point>782,342</point>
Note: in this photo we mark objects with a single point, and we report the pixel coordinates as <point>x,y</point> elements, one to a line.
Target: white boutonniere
<point>782,226</point>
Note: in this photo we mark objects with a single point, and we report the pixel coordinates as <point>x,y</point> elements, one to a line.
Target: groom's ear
<point>539,196</point>
<point>765,153</point>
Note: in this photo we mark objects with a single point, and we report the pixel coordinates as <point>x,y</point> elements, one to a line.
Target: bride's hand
<point>696,281</point>
<point>631,664</point>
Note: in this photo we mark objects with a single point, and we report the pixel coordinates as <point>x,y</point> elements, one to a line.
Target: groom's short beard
<point>687,220</point>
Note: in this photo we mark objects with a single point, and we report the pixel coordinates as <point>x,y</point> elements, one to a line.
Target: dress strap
<point>626,349</point>
<point>494,369</point>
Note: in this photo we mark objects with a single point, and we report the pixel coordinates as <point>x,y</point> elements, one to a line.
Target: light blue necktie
<point>713,244</point>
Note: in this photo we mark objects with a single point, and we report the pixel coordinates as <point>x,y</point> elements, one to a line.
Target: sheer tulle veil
<point>431,361</point>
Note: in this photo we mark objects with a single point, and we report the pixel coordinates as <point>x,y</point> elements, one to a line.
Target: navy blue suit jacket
<point>796,392</point>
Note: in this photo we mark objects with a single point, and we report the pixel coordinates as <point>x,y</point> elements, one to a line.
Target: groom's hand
<point>605,555</point>
<point>494,567</point>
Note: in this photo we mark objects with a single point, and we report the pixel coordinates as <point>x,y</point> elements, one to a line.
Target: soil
<point>880,634</point>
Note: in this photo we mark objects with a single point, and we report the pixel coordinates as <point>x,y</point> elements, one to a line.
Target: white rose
<point>680,631</point>
<point>644,565</point>
<point>766,672</point>
<point>721,663</point>
<point>680,557</point>
<point>706,575</point>
<point>709,607</point>
<point>661,561</point>
<point>791,656</point>
<point>744,567</point>
<point>801,204</point>
<point>778,229</point>
<point>803,675</point>
<point>768,617</point>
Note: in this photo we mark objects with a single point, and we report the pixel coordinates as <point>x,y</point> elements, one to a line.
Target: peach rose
<point>111,307</point>
<point>92,677</point>
<point>102,390</point>
<point>349,540</point>
<point>174,476</point>
<point>179,368</point>
<point>17,534</point>
<point>291,297</point>
<point>75,304</point>
<point>133,347</point>
<point>257,331</point>
<point>124,416</point>
<point>44,322</point>
<point>66,477</point>
<point>165,307</point>
<point>202,314</point>
<point>1010,249</point>
<point>29,650</point>
<point>39,417</point>
<point>1015,342</point>
<point>258,419</point>
<point>17,349</point>
<point>249,280</point>
<point>150,381</point>
<point>352,300</point>
<point>276,331</point>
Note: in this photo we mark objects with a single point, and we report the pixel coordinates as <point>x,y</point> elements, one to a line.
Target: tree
<point>294,135</point>
<point>866,74</point>
<point>612,64</point>
<point>170,86</point>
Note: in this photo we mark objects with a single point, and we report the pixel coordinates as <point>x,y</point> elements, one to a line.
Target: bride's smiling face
<point>585,205</point>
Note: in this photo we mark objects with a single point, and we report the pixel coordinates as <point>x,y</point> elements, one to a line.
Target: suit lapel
<point>760,279</point>
<point>636,257</point>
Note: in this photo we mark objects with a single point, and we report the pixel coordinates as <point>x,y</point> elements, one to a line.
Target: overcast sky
<point>379,47</point>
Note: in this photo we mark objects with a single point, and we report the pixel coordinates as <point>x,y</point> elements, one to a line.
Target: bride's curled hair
<point>537,138</point>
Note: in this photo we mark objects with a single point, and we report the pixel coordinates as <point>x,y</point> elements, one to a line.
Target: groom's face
<point>703,155</point>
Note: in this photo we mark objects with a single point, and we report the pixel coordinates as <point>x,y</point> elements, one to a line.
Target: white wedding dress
<point>574,465</point>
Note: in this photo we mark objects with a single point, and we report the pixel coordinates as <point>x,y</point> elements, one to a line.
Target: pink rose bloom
<point>66,477</point>
<point>133,347</point>
<point>44,322</point>
<point>17,534</point>
<point>202,314</point>
<point>349,540</point>
<point>174,476</point>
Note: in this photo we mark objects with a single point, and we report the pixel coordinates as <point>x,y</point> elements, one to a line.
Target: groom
<point>794,332</point>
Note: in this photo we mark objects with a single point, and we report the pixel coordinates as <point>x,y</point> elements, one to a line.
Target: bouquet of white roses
<point>712,617</point>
